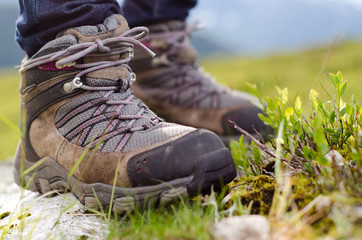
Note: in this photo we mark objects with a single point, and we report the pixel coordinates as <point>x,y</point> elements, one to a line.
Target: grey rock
<point>33,216</point>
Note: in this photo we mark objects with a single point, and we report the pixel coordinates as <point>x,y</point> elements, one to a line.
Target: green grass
<point>177,221</point>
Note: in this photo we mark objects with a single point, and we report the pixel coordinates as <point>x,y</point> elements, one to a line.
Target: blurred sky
<point>259,27</point>
<point>252,27</point>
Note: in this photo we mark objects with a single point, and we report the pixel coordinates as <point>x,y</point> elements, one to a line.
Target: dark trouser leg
<point>144,12</point>
<point>41,20</point>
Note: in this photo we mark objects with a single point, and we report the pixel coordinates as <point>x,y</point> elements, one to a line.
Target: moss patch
<point>259,189</point>
<point>304,189</point>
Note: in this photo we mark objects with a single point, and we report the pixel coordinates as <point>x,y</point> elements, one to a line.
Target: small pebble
<point>334,155</point>
<point>252,227</point>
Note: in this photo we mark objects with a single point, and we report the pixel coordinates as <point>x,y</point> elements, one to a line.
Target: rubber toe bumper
<point>200,154</point>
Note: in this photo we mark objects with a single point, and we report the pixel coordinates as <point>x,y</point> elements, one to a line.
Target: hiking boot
<point>176,89</point>
<point>85,132</point>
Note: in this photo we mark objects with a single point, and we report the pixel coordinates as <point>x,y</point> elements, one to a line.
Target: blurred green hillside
<point>299,72</point>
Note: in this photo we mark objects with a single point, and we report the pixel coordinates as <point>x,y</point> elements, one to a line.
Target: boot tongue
<point>113,26</point>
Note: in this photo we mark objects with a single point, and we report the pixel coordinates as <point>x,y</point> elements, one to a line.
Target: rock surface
<point>253,227</point>
<point>32,216</point>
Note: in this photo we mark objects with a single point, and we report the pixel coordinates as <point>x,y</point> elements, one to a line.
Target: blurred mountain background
<point>241,27</point>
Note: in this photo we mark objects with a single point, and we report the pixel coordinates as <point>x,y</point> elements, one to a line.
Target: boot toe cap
<point>199,154</point>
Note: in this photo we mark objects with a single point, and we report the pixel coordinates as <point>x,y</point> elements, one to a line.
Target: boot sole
<point>214,169</point>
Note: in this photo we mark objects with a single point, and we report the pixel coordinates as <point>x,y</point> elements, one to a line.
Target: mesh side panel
<point>162,132</point>
<point>66,40</point>
<point>111,108</point>
<point>141,122</point>
<point>74,140</point>
<point>83,135</point>
<point>149,114</point>
<point>111,22</point>
<point>75,122</point>
<point>188,94</point>
<point>88,30</point>
<point>123,123</point>
<point>97,130</point>
<point>129,110</point>
<point>205,103</point>
<point>112,143</point>
<point>182,96</point>
<point>63,110</point>
<point>121,96</point>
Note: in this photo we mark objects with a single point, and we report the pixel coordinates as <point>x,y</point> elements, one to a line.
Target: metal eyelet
<point>70,86</point>
<point>131,53</point>
<point>133,77</point>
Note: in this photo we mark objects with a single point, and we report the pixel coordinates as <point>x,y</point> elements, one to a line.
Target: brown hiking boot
<point>176,89</point>
<point>84,130</point>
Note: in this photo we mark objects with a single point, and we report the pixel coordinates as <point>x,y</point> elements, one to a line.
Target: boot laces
<point>123,46</point>
<point>187,74</point>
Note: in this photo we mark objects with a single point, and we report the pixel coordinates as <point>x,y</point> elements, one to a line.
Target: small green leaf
<point>242,140</point>
<point>234,145</point>
<point>271,104</point>
<point>342,111</point>
<point>334,79</point>
<point>308,154</point>
<point>321,141</point>
<point>322,160</point>
<point>252,89</point>
<point>339,131</point>
<point>330,131</point>
<point>313,95</point>
<point>298,104</point>
<point>342,88</point>
<point>235,151</point>
<point>349,109</point>
<point>322,108</point>
<point>332,117</point>
<point>339,76</point>
<point>283,94</point>
<point>256,154</point>
<point>317,121</point>
<point>359,109</point>
<point>318,136</point>
<point>265,119</point>
<point>288,112</point>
